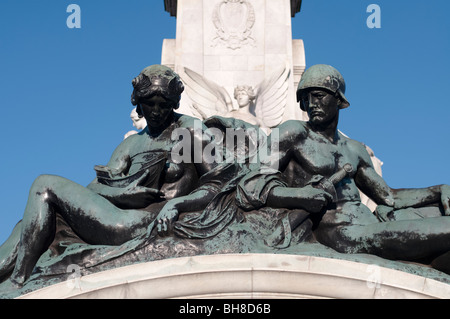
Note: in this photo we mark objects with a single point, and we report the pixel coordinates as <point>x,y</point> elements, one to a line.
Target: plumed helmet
<point>324,77</point>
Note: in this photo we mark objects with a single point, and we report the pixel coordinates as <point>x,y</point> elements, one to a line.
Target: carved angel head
<point>244,94</point>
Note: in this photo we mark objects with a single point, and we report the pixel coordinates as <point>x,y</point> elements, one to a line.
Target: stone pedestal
<point>236,42</point>
<point>248,276</point>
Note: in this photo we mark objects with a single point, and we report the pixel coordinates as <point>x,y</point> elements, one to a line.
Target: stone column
<point>236,42</point>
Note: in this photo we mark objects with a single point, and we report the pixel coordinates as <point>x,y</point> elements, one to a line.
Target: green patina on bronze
<point>144,206</point>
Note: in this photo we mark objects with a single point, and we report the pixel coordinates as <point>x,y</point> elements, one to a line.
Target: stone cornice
<point>171,7</point>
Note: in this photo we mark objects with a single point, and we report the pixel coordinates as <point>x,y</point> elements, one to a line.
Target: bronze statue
<point>139,182</point>
<point>310,151</point>
<point>146,204</point>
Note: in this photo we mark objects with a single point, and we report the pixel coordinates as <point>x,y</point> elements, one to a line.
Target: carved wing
<point>208,98</point>
<point>272,96</point>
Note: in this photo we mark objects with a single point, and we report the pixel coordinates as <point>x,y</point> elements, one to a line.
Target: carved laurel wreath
<point>235,39</point>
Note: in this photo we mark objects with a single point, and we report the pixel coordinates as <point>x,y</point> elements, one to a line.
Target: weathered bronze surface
<point>146,204</point>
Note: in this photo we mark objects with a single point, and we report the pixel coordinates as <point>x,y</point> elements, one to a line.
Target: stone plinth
<point>235,43</point>
<point>248,276</point>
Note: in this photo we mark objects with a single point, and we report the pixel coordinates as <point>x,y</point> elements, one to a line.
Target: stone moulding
<point>171,7</point>
<point>296,6</point>
<point>248,276</point>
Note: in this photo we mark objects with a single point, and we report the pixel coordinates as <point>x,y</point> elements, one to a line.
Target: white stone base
<point>248,276</point>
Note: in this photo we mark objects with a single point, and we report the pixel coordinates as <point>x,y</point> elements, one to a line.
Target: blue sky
<point>65,93</point>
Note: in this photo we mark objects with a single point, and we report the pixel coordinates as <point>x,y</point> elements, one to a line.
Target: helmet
<point>157,79</point>
<point>325,77</point>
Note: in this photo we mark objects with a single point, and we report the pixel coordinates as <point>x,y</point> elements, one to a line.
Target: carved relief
<point>233,21</point>
<point>268,99</point>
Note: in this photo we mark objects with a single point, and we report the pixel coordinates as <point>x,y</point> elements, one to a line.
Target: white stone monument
<point>223,44</point>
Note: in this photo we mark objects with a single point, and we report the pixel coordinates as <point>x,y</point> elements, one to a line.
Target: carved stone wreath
<point>233,21</point>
